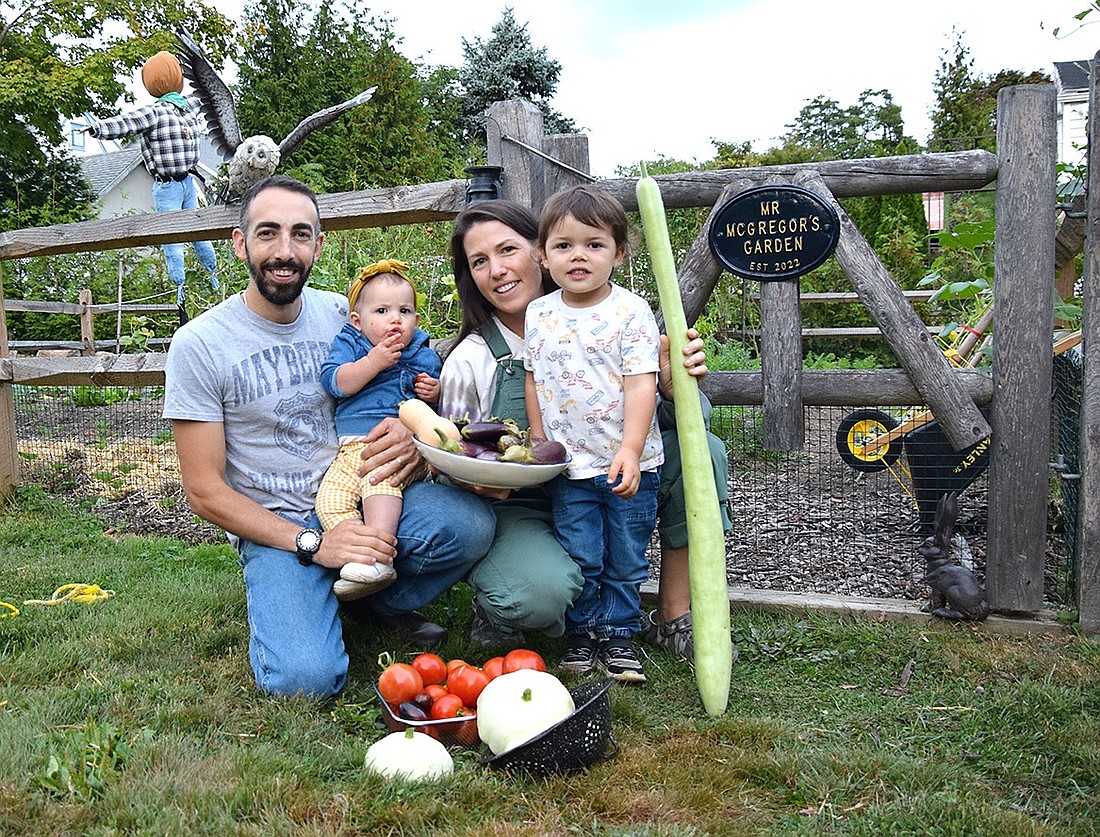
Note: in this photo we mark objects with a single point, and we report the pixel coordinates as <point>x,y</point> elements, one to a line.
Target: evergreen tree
<point>826,131</point>
<point>508,66</point>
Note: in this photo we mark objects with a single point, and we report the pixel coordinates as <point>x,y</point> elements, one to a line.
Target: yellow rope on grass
<point>85,593</point>
<point>8,610</point>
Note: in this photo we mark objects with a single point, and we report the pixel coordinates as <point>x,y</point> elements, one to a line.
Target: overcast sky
<point>658,77</point>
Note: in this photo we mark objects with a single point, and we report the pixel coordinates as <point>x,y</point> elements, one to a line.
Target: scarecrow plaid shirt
<point>168,136</point>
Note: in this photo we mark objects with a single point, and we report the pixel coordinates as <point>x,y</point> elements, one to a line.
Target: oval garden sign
<point>774,232</point>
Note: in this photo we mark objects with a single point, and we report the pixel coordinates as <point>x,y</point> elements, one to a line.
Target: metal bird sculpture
<point>253,158</point>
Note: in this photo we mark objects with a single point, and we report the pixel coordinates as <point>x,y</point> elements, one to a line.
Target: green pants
<point>526,580</point>
<point>671,509</point>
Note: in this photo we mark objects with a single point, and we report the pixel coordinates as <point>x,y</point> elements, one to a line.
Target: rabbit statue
<point>955,591</point>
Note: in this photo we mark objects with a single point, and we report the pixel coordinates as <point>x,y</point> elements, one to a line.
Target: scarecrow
<point>168,134</point>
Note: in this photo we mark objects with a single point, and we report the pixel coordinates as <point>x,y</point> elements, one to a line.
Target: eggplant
<point>548,453</point>
<point>540,453</point>
<point>518,452</point>
<point>411,712</point>
<point>511,440</point>
<point>476,449</point>
<point>485,432</point>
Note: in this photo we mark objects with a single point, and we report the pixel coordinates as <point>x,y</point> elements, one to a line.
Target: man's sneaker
<point>580,654</point>
<point>411,626</point>
<point>485,633</point>
<point>618,658</point>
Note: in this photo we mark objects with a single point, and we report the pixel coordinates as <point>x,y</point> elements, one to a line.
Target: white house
<point>120,182</point>
<point>1071,80</point>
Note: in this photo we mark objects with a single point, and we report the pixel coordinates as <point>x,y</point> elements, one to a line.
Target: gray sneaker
<point>485,633</point>
<point>675,635</point>
<point>619,659</point>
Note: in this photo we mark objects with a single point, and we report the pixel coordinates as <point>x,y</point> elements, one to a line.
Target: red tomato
<point>447,706</point>
<point>435,691</point>
<point>453,664</point>
<point>523,658</point>
<point>432,668</point>
<point>399,682</point>
<point>494,667</point>
<point>467,682</point>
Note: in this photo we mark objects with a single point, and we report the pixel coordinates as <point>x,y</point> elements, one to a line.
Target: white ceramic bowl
<point>486,472</point>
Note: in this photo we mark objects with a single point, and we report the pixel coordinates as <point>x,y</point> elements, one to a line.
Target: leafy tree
<point>508,66</point>
<point>870,128</point>
<point>965,113</point>
<point>61,59</point>
<point>291,67</point>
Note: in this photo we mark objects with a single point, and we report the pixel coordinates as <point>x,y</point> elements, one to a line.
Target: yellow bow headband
<point>370,271</point>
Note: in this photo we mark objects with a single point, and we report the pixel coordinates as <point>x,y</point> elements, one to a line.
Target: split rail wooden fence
<point>1025,263</point>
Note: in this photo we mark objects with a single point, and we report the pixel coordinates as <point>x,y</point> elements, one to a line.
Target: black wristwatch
<point>308,542</point>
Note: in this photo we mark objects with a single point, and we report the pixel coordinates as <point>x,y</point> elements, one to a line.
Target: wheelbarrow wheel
<point>860,427</point>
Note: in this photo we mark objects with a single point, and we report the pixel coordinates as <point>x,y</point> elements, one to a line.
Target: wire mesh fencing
<point>803,521</point>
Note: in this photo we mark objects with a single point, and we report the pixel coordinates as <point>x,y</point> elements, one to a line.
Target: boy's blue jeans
<point>296,645</point>
<point>181,195</point>
<point>607,536</point>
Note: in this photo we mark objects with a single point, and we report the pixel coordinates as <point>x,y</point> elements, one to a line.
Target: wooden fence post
<point>1019,469</point>
<point>522,180</point>
<point>87,326</point>
<point>9,443</point>
<point>1088,497</point>
<point>570,149</point>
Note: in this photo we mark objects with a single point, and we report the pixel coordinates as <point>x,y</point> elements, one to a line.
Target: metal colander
<point>572,744</point>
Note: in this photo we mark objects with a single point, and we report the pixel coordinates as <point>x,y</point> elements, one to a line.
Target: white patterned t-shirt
<point>578,357</point>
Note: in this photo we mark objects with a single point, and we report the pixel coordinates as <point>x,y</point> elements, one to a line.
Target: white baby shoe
<point>358,579</point>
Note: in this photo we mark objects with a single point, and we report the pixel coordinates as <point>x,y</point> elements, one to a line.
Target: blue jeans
<point>296,646</point>
<point>607,536</point>
<point>181,195</point>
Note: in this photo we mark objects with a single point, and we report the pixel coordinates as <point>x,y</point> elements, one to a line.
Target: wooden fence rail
<point>86,311</point>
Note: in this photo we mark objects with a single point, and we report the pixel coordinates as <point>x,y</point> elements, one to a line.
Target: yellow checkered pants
<point>342,487</point>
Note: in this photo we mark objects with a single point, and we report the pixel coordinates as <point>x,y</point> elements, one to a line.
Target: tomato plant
<point>399,682</point>
<point>523,658</point>
<point>467,682</point>
<point>432,668</point>
<point>447,706</point>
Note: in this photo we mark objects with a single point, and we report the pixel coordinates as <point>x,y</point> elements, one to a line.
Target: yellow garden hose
<point>84,593</point>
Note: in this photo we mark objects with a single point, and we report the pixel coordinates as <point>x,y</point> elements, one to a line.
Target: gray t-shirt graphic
<point>262,381</point>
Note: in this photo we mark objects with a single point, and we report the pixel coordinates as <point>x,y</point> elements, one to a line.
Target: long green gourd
<point>706,541</point>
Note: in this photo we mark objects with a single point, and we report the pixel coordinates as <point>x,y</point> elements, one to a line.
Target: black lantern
<point>484,183</point>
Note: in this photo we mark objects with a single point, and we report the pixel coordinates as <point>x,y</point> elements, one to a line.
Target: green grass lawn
<point>139,715</point>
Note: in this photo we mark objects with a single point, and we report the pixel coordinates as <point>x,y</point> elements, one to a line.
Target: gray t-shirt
<point>262,380</point>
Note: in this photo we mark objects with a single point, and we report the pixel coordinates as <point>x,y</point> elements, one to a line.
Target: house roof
<point>105,171</point>
<point>1072,75</point>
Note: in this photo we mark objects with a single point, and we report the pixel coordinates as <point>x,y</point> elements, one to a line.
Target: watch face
<point>309,540</point>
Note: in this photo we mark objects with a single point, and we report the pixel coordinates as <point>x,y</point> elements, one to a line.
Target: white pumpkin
<point>517,706</point>
<point>409,755</point>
